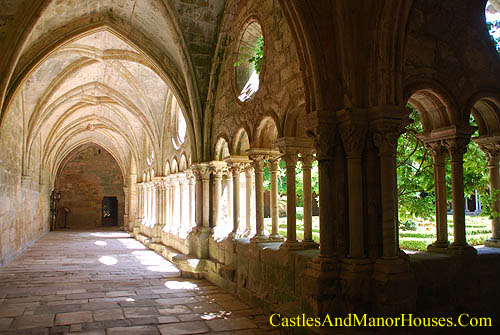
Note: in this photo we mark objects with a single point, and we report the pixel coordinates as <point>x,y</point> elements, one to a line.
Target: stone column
<point>457,147</point>
<point>492,152</point>
<point>307,158</point>
<point>138,219</point>
<point>385,134</point>
<point>156,238</point>
<point>236,170</point>
<point>175,204</point>
<point>353,137</point>
<point>126,193</point>
<point>198,240</point>
<point>438,155</point>
<point>217,170</point>
<point>273,169</point>
<point>132,209</point>
<point>290,158</point>
<point>168,214</point>
<point>228,182</point>
<point>248,196</point>
<point>192,201</point>
<point>182,204</point>
<point>258,162</point>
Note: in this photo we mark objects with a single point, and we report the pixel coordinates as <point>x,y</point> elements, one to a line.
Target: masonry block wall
<point>88,177</point>
<point>24,202</point>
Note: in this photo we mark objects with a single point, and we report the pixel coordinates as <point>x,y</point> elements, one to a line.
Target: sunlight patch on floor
<point>108,260</point>
<point>180,285</point>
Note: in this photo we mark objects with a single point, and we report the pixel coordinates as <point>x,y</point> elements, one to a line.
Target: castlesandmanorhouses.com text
<point>355,320</point>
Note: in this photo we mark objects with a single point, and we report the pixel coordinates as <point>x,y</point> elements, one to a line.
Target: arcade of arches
<point>170,108</point>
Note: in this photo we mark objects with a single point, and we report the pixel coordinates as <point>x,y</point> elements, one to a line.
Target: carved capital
<point>290,160</point>
<point>353,136</point>
<point>258,163</point>
<point>386,134</point>
<point>457,147</point>
<point>435,148</point>
<point>492,152</point>
<point>202,171</point>
<point>273,164</point>
<point>307,159</point>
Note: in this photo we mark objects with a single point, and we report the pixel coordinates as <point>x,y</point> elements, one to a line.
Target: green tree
<point>416,174</point>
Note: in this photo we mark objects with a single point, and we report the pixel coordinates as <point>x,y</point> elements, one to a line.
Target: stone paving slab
<point>67,283</point>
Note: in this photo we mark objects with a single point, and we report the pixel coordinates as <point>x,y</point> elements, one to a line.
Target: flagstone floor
<point>104,282</point>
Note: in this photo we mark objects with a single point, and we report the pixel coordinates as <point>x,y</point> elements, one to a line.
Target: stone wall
<point>281,88</point>
<point>88,177</point>
<point>24,203</point>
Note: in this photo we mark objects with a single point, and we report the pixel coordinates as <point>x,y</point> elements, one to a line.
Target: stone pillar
<point>353,137</point>
<point>174,195</point>
<point>492,152</point>
<point>158,203</point>
<point>138,219</point>
<point>248,196</point>
<point>198,240</point>
<point>228,182</point>
<point>290,158</point>
<point>237,165</point>
<point>168,214</point>
<point>192,201</point>
<point>217,170</point>
<point>307,157</point>
<point>385,134</point>
<point>132,209</point>
<point>273,169</point>
<point>258,162</point>
<point>438,155</point>
<point>183,214</point>
<point>457,147</point>
<point>126,193</point>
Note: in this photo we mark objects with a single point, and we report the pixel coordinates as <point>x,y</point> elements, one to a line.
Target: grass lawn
<point>478,229</point>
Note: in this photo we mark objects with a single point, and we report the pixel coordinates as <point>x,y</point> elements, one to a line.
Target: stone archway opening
<point>90,183</point>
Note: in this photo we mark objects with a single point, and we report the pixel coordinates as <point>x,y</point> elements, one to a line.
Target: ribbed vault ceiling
<point>98,89</point>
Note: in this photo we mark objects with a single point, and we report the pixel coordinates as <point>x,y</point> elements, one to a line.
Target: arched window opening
<point>178,125</point>
<point>492,15</point>
<point>421,204</point>
<point>248,64</point>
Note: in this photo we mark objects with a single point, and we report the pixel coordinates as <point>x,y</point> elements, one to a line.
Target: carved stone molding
<point>321,127</point>
<point>386,135</point>
<point>353,137</point>
<point>436,148</point>
<point>457,146</point>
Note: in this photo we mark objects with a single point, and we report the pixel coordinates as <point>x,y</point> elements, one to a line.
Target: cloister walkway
<point>104,282</point>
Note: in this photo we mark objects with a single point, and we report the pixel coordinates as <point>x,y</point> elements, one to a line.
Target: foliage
<point>416,174</point>
<point>257,53</point>
<point>492,28</point>
<point>298,181</point>
<point>254,56</point>
<point>407,225</point>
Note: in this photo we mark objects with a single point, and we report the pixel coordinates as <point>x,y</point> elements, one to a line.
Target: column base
<point>492,242</point>
<point>291,245</point>
<point>309,244</point>
<point>259,239</point>
<point>395,289</point>
<point>461,250</point>
<point>357,265</point>
<point>439,247</point>
<point>198,241</point>
<point>321,269</point>
<point>276,237</point>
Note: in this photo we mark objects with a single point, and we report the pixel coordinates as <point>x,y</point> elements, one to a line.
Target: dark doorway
<point>110,211</point>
